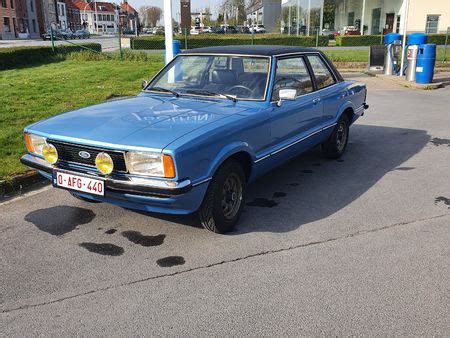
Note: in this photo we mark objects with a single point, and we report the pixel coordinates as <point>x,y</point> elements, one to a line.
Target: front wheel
<point>336,144</point>
<point>222,205</point>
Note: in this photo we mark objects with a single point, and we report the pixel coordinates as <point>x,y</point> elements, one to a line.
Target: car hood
<point>141,121</point>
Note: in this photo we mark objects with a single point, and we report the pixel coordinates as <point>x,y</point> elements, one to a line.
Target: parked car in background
<point>207,29</point>
<point>243,29</point>
<point>217,30</point>
<point>82,34</point>
<point>350,30</point>
<point>210,122</point>
<point>258,29</point>
<point>57,34</point>
<point>67,34</point>
<point>195,31</point>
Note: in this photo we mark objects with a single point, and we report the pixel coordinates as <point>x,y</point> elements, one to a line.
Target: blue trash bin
<point>426,59</point>
<point>176,45</point>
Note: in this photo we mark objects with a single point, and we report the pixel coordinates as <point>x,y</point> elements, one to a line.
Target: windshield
<point>239,77</point>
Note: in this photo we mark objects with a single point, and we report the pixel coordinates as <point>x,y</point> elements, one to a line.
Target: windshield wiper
<point>209,93</point>
<point>162,89</point>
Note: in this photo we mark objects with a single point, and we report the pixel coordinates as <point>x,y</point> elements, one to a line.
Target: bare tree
<point>150,15</point>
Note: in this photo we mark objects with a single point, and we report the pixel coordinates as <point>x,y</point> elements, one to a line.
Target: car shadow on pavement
<point>312,187</point>
<point>309,187</point>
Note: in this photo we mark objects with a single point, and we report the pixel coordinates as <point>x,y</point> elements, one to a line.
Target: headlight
<point>104,163</point>
<point>35,144</point>
<point>50,153</point>
<point>150,163</point>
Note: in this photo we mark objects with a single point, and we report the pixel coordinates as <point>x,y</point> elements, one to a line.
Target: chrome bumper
<point>120,184</point>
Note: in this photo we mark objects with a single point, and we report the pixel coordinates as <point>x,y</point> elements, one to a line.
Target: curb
<point>19,184</point>
<point>404,83</point>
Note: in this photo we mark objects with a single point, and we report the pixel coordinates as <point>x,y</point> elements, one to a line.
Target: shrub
<point>359,40</point>
<point>207,40</point>
<point>127,55</point>
<point>438,39</point>
<point>21,56</point>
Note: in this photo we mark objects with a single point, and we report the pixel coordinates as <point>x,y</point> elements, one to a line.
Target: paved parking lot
<point>354,246</point>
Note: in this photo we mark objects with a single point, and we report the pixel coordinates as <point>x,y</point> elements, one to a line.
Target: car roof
<point>263,50</point>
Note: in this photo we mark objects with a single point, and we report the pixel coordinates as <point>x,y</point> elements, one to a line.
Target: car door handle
<point>316,100</point>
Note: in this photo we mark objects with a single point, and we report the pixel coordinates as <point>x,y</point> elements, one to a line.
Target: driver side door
<point>298,118</point>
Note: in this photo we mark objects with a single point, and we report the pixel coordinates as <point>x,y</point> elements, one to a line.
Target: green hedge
<point>438,39</point>
<point>359,40</point>
<point>207,40</point>
<point>21,56</point>
<point>368,40</point>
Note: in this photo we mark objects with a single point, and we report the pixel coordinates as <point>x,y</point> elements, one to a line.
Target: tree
<point>150,15</point>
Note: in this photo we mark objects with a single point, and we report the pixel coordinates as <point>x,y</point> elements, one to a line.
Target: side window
<point>292,73</point>
<point>323,76</point>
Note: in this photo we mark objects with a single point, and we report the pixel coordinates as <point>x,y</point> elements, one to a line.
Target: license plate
<point>79,183</point>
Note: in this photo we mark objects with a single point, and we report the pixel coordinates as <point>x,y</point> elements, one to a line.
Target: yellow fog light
<point>104,163</point>
<point>50,153</point>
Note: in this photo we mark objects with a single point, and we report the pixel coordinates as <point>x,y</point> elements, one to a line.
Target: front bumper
<point>116,184</point>
<point>144,194</point>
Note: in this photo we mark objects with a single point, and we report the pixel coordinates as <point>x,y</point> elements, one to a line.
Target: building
<point>99,17</point>
<point>73,16</point>
<point>8,20</point>
<point>264,12</point>
<point>50,14</point>
<point>62,14</point>
<point>128,18</point>
<point>306,17</point>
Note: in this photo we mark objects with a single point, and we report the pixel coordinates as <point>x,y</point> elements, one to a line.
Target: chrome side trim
<point>330,126</point>
<point>298,141</point>
<point>294,143</point>
<point>201,182</point>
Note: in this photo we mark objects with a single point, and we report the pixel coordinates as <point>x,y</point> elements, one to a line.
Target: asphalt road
<point>347,247</point>
<point>109,43</point>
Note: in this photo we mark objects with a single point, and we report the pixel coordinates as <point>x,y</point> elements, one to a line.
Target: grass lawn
<point>33,93</point>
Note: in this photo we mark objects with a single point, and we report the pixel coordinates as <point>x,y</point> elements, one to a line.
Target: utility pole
<point>168,30</point>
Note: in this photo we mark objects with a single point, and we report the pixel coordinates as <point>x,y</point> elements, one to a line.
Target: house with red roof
<point>98,17</point>
<point>129,18</point>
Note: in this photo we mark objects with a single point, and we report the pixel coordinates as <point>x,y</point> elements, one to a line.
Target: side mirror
<point>286,94</point>
<point>144,84</point>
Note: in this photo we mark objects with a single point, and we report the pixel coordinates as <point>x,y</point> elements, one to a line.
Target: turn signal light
<point>28,143</point>
<point>169,166</point>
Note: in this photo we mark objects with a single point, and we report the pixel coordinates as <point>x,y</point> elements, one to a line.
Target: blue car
<point>208,124</point>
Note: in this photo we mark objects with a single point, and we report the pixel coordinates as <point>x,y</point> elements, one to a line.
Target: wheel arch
<point>238,151</point>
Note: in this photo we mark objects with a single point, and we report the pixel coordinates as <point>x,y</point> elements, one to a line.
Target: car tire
<point>223,202</point>
<point>336,144</point>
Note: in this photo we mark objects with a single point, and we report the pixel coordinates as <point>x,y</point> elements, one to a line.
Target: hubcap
<point>341,137</point>
<point>231,195</point>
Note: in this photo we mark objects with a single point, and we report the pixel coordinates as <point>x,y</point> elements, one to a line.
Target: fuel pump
<point>392,47</point>
<point>412,48</point>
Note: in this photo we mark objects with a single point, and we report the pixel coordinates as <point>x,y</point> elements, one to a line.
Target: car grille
<point>70,153</point>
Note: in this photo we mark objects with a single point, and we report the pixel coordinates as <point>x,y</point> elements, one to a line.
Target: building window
<point>31,5</point>
<point>4,4</point>
<point>432,24</point>
<point>397,26</point>
<point>351,19</point>
<point>34,25</point>
<point>6,25</point>
<point>12,4</point>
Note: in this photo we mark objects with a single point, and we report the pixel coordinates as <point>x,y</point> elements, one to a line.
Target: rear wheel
<point>336,144</point>
<point>222,205</point>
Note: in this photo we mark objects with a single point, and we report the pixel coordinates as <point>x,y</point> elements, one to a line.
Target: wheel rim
<point>341,137</point>
<point>231,195</point>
